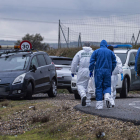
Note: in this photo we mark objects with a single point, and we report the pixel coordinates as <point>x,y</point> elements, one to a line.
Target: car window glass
<point>59,61</point>
<point>34,61</point>
<point>48,59</point>
<point>41,59</point>
<point>135,53</point>
<point>122,56</point>
<point>13,62</point>
<point>132,57</point>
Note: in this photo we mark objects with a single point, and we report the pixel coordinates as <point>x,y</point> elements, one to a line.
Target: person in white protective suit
<point>114,78</point>
<point>82,58</point>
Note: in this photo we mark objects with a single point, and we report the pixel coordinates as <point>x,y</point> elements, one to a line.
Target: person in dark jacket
<point>136,59</point>
<point>138,66</point>
<point>104,62</point>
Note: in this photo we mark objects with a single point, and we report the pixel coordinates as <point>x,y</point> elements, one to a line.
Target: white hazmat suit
<point>91,90</point>
<point>114,78</point>
<point>82,58</point>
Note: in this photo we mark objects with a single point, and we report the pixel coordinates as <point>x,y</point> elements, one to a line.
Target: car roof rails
<point>16,51</point>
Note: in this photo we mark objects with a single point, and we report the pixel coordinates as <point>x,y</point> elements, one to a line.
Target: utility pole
<point>68,38</point>
<point>137,38</point>
<point>59,43</point>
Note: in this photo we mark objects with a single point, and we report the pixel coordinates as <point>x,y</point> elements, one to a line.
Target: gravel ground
<point>60,109</point>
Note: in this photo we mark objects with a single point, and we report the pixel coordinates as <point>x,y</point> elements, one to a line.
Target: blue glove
<point>72,75</point>
<point>136,74</point>
<point>91,74</point>
<point>121,76</point>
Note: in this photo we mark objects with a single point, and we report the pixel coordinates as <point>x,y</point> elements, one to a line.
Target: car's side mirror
<point>132,63</point>
<point>33,68</point>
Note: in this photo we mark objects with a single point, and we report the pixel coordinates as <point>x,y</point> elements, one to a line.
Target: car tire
<point>124,90</point>
<point>53,90</point>
<point>76,95</point>
<point>29,91</point>
<point>70,90</point>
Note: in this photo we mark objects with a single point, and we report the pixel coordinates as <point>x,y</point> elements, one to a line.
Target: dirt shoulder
<point>55,118</point>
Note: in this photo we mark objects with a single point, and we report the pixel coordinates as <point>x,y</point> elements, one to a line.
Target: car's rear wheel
<point>124,90</point>
<point>53,90</point>
<point>29,91</point>
<point>76,95</point>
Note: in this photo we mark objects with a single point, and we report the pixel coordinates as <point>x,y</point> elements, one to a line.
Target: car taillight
<point>58,68</point>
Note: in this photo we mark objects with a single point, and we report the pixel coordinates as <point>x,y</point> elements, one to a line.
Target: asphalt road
<point>125,109</point>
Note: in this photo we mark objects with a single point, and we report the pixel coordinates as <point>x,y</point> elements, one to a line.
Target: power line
<point>49,22</point>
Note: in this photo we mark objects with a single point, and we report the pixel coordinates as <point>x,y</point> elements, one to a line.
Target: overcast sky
<point>16,14</point>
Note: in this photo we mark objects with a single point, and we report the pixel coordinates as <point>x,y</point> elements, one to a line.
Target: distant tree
<point>36,41</point>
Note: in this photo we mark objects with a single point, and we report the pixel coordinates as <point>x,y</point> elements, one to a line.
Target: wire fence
<point>67,37</point>
<point>114,29</point>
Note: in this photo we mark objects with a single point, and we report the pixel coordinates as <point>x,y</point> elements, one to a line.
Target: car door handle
<point>40,71</point>
<point>48,69</point>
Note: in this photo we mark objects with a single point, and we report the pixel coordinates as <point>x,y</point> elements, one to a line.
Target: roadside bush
<point>5,103</point>
<point>60,128</point>
<point>67,52</point>
<point>43,119</point>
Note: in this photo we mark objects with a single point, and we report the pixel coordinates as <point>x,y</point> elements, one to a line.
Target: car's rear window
<point>60,61</point>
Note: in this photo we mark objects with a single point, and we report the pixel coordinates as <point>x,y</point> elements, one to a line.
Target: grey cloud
<point>53,10</point>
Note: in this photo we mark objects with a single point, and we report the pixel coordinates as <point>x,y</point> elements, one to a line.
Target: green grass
<point>18,105</point>
<point>50,132</point>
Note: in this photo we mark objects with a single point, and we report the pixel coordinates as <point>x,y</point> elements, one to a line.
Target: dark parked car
<point>23,74</point>
<point>63,68</point>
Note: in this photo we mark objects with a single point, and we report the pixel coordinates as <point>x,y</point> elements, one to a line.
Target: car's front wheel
<point>29,91</point>
<point>124,90</point>
<point>53,90</point>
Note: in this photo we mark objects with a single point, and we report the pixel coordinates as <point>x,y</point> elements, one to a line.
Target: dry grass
<point>136,46</point>
<point>65,107</point>
<point>61,121</point>
<point>34,108</point>
<point>67,52</point>
<point>41,119</point>
<point>4,103</point>
<point>60,128</point>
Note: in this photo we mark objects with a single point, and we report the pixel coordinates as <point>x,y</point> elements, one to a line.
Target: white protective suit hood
<point>82,58</point>
<point>87,49</point>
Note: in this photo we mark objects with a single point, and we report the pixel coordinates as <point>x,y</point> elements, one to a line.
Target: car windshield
<point>9,63</point>
<point>122,56</point>
<point>61,61</point>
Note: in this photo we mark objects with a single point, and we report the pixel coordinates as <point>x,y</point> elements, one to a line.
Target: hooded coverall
<point>114,78</point>
<point>136,59</point>
<point>104,62</point>
<point>82,58</point>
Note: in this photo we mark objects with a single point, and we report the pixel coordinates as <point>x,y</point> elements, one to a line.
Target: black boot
<point>84,101</point>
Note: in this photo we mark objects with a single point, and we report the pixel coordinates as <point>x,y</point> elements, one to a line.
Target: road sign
<point>25,45</point>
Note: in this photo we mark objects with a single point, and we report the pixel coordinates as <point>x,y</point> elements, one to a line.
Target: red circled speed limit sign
<point>25,45</point>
